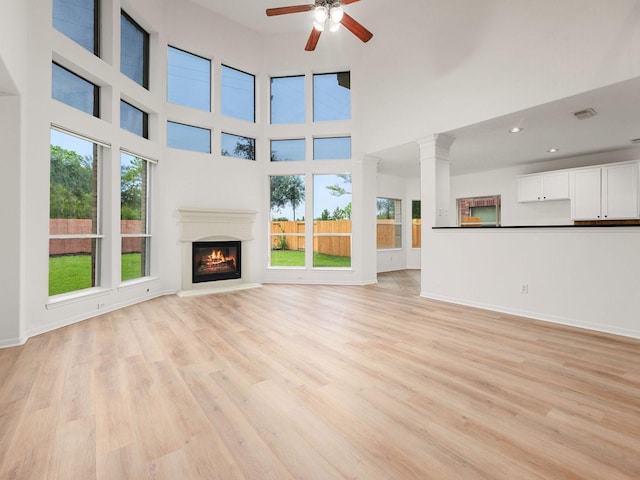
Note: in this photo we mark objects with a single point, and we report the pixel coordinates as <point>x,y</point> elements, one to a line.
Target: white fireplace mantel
<point>206,224</point>
<point>212,224</point>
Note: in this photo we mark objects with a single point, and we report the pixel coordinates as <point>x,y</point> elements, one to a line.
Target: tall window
<point>287,221</point>
<point>388,223</point>
<point>134,50</point>
<point>78,20</point>
<point>75,91</point>
<point>332,148</point>
<point>331,96</point>
<point>238,147</point>
<point>134,120</point>
<point>288,150</point>
<point>416,224</point>
<point>238,94</point>
<point>134,216</point>
<point>287,100</point>
<point>188,79</point>
<point>188,137</point>
<point>74,214</point>
<point>332,221</point>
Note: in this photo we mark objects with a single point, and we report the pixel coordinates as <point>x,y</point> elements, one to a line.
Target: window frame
<point>145,120</point>
<point>304,105</point>
<point>146,236</point>
<point>497,204</point>
<point>317,235</point>
<point>208,152</point>
<point>397,224</point>
<point>96,91</point>
<point>145,50</point>
<point>229,134</point>
<point>300,237</point>
<point>222,89</point>
<point>313,99</point>
<point>333,137</point>
<point>98,236</point>
<point>209,80</point>
<point>416,227</point>
<point>96,29</point>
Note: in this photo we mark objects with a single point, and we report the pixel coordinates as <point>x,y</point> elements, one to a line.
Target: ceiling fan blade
<point>347,2</point>
<point>356,28</point>
<point>313,40</point>
<point>292,9</point>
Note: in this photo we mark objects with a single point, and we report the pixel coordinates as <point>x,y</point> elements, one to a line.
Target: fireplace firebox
<point>216,260</point>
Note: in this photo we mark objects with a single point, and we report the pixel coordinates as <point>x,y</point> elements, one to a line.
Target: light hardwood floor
<point>318,382</point>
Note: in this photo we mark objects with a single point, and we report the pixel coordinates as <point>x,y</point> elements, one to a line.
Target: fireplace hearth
<point>216,260</point>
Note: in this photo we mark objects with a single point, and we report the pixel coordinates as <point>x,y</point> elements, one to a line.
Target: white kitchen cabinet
<point>605,193</point>
<point>541,187</point>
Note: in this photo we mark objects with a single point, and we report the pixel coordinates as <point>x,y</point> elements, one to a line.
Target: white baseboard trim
<point>79,318</point>
<point>569,322</point>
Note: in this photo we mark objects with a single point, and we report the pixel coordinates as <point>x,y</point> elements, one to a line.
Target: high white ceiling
<point>486,145</point>
<point>252,13</point>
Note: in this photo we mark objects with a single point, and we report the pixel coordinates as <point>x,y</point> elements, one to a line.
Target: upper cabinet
<point>541,187</point>
<point>608,192</point>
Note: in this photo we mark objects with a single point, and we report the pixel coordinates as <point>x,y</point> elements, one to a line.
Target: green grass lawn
<point>73,272</point>
<point>292,258</point>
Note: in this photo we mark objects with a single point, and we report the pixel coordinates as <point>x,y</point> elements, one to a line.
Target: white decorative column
<point>435,181</point>
<point>206,224</point>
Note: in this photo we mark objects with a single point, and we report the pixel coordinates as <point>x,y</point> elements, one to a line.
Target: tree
<point>245,149</point>
<point>325,215</point>
<point>71,192</point>
<point>338,190</point>
<point>386,208</point>
<point>131,183</point>
<point>287,190</point>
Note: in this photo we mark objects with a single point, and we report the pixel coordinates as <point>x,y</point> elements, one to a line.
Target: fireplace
<point>203,230</point>
<point>216,260</point>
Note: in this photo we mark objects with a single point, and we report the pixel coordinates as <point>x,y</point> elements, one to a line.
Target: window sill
<point>136,282</point>
<point>65,299</point>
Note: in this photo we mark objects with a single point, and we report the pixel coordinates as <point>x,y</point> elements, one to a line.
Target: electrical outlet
<point>100,306</point>
<point>524,288</point>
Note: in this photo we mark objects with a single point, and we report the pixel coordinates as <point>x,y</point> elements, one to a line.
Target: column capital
<point>436,145</point>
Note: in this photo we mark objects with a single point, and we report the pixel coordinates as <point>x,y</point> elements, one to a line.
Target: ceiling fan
<point>326,12</point>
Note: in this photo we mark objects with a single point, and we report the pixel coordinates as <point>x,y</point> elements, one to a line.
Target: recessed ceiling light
<point>553,150</point>
<point>516,130</point>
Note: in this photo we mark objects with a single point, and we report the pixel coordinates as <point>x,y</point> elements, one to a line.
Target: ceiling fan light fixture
<point>319,26</point>
<point>336,13</point>
<point>334,26</point>
<point>321,14</point>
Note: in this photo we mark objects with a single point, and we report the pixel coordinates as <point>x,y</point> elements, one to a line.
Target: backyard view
<point>74,239</point>
<point>331,234</point>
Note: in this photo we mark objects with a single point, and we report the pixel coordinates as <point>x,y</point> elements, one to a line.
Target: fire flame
<point>216,256</point>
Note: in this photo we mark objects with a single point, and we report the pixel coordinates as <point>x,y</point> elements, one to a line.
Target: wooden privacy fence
<point>290,236</point>
<point>76,246</point>
<point>331,237</point>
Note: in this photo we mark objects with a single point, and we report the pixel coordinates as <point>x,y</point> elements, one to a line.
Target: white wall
<point>13,70</point>
<point>585,277</point>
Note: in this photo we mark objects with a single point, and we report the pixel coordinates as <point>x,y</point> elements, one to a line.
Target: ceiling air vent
<point>586,113</point>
